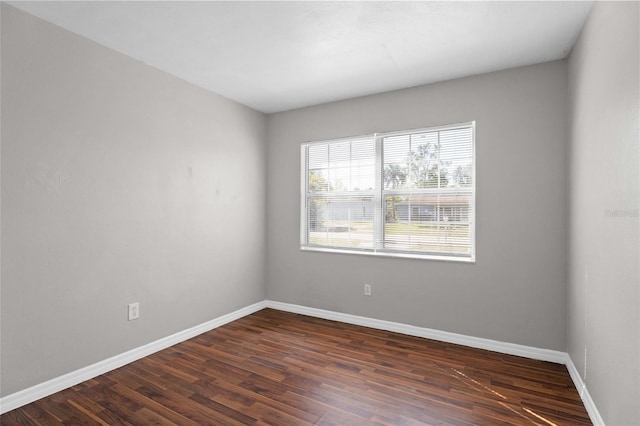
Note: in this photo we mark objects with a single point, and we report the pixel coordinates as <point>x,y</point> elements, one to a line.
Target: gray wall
<point>120,183</point>
<point>516,291</point>
<point>604,279</point>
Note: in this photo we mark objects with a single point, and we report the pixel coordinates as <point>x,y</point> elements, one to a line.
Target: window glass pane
<point>428,160</point>
<point>339,179</point>
<point>413,161</point>
<point>318,180</point>
<point>456,153</point>
<point>363,178</point>
<point>318,156</point>
<point>339,153</point>
<point>395,172</point>
<point>342,166</point>
<point>363,152</point>
<point>341,222</point>
<point>430,223</point>
<point>423,161</point>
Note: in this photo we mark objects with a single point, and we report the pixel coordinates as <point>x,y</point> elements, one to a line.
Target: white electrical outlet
<point>134,311</point>
<point>367,289</point>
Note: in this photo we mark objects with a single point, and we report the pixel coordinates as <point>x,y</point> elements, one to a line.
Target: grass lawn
<point>424,236</point>
<point>427,229</point>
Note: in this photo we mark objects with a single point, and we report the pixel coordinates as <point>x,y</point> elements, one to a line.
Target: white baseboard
<point>594,414</point>
<point>57,384</point>
<point>429,333</point>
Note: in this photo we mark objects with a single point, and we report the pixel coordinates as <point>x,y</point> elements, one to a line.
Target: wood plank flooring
<point>280,368</point>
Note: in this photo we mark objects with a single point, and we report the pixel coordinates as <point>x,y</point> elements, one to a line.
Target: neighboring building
<point>324,213</point>
<point>442,208</point>
<point>431,208</point>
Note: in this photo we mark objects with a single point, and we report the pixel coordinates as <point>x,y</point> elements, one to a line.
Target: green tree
<point>425,169</point>
<point>462,176</point>
<point>317,183</point>
<point>395,177</point>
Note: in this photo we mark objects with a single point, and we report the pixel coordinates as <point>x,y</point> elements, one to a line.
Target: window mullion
<point>378,200</point>
<point>304,191</point>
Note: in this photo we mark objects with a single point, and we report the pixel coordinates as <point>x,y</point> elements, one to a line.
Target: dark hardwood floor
<point>279,368</point>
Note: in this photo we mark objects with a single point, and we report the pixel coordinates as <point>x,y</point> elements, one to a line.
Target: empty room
<point>320,213</point>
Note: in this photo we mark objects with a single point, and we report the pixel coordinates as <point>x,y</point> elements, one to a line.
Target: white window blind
<point>409,193</point>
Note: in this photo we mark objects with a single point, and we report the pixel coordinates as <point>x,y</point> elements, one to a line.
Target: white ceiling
<point>276,56</point>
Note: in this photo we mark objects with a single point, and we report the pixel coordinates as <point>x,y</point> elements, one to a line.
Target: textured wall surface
<point>120,183</point>
<point>604,189</point>
<point>515,292</point>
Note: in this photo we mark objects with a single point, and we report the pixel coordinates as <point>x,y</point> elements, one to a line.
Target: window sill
<point>470,260</point>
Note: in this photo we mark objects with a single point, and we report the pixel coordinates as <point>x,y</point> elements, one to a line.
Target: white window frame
<point>378,194</point>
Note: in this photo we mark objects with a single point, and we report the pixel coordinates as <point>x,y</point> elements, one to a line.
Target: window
<point>409,194</point>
